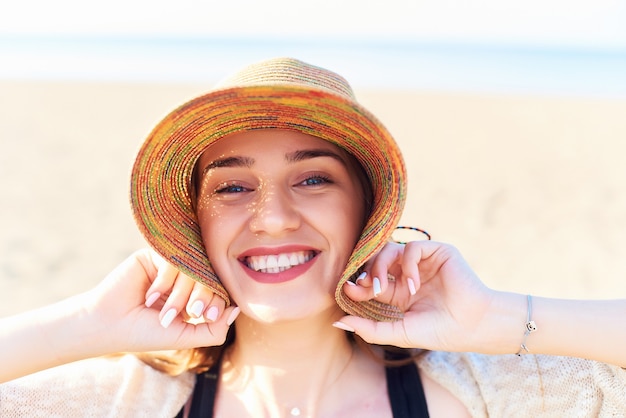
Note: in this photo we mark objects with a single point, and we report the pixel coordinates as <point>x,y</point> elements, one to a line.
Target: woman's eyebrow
<point>291,157</point>
<point>229,162</point>
<point>306,154</point>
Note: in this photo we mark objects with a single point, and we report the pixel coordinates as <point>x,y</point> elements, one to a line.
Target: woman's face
<point>280,213</point>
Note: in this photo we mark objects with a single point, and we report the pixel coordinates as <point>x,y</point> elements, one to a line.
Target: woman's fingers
<point>365,287</point>
<point>204,304</point>
<point>390,275</point>
<point>412,255</point>
<point>176,293</point>
<point>182,335</point>
<point>385,287</point>
<point>177,299</point>
<point>198,300</point>
<point>163,281</point>
<point>375,332</point>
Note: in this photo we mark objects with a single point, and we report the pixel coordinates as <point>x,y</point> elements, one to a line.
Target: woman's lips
<point>279,266</point>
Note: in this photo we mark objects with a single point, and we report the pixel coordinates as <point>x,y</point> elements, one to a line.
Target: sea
<point>368,63</point>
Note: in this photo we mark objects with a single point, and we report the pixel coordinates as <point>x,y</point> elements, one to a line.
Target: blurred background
<point>512,117</point>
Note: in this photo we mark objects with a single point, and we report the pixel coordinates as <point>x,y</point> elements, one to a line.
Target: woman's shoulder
<point>496,385</point>
<point>117,386</point>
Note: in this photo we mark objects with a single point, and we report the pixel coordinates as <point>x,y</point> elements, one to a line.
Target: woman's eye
<point>316,181</point>
<point>230,188</point>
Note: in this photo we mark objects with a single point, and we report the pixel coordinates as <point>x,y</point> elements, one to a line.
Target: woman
<point>274,191</point>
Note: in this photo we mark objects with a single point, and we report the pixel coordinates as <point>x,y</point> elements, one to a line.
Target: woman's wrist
<point>576,328</point>
<point>502,329</point>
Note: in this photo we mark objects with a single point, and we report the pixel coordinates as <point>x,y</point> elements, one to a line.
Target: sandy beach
<point>531,189</point>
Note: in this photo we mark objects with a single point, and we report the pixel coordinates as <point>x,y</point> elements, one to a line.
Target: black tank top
<point>404,388</point>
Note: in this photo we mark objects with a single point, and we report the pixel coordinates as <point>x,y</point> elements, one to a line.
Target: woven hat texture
<point>281,93</point>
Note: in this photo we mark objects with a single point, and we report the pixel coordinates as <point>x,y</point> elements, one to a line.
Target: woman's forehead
<point>280,142</point>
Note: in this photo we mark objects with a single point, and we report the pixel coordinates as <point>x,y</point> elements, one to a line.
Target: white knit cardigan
<point>490,386</point>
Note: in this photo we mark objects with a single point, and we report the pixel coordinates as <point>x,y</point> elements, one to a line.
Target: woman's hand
<point>139,303</point>
<point>173,291</point>
<point>444,303</point>
<point>113,317</point>
<point>447,307</point>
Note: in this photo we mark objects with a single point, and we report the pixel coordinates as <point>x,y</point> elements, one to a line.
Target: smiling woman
<point>293,211</point>
<point>278,95</point>
<point>273,283</point>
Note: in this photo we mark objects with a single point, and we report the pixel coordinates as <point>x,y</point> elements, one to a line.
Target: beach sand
<point>530,189</point>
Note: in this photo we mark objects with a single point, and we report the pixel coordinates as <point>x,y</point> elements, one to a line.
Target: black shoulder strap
<point>405,390</point>
<point>203,398</point>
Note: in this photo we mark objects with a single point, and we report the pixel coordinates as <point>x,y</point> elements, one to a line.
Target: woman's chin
<point>289,312</point>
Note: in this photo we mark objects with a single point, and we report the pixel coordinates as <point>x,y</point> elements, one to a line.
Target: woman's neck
<point>286,368</point>
<point>288,342</point>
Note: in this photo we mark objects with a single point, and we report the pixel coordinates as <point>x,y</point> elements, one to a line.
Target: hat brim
<point>162,173</point>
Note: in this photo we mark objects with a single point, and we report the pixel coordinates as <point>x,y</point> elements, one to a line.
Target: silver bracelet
<point>530,326</point>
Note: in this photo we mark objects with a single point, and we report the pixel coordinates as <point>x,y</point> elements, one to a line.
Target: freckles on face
<point>272,195</point>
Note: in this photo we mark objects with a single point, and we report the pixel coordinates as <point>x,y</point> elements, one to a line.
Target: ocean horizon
<point>377,64</point>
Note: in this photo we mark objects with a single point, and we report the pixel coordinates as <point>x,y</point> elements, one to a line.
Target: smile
<point>276,263</point>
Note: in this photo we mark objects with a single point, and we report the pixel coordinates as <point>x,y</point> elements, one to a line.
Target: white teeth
<point>283,260</point>
<point>272,261</point>
<point>277,263</point>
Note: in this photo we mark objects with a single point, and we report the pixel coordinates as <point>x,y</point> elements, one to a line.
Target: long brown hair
<point>196,360</point>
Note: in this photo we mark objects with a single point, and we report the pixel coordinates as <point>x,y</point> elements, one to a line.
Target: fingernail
<point>152,298</point>
<point>342,326</point>
<point>211,313</point>
<point>196,309</point>
<point>376,285</point>
<point>168,318</point>
<point>233,315</point>
<point>411,284</point>
<point>349,283</point>
<point>361,277</point>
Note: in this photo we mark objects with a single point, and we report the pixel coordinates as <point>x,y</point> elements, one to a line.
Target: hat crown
<point>289,71</point>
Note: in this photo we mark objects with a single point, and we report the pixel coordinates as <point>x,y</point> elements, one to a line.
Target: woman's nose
<point>274,213</point>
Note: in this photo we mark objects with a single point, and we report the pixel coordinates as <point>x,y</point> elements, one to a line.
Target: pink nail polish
<point>411,285</point>
<point>169,316</point>
<point>196,309</point>
<point>233,315</point>
<point>342,326</point>
<point>152,298</point>
<point>376,286</point>
<point>211,313</point>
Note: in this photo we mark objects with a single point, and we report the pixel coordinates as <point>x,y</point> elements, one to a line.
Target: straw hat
<point>281,93</point>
